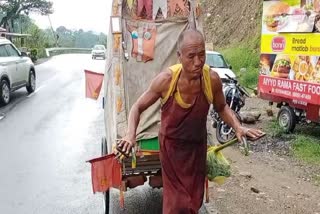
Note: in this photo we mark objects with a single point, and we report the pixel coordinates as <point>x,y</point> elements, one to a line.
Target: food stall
<point>290,60</point>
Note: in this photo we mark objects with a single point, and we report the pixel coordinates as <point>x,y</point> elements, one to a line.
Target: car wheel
<point>32,82</point>
<point>106,195</point>
<point>4,92</point>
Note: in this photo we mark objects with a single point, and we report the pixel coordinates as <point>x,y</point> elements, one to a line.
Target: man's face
<point>192,55</point>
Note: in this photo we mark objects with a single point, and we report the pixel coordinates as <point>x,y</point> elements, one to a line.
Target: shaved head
<point>192,34</point>
<point>191,53</point>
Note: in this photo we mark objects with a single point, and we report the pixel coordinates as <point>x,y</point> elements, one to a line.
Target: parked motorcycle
<point>235,96</point>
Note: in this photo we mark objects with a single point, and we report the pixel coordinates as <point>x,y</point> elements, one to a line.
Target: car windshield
<point>98,47</point>
<point>216,61</point>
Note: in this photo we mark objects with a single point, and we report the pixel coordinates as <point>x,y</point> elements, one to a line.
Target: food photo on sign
<point>281,67</point>
<point>317,71</point>
<point>300,67</point>
<point>289,16</point>
<point>266,63</point>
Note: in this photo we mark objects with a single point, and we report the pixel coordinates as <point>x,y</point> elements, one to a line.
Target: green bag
<point>218,167</point>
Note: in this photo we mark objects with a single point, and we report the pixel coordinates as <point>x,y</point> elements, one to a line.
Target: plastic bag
<point>218,168</point>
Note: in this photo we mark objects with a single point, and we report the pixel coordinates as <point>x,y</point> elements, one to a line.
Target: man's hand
<point>159,85</point>
<point>251,134</point>
<point>124,147</point>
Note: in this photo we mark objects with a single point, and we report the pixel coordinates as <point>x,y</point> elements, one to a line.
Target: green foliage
<point>41,39</point>
<point>245,55</point>
<point>275,130</point>
<point>250,77</point>
<point>34,55</point>
<point>305,142</point>
<point>13,9</point>
<point>306,145</point>
<point>79,38</point>
<point>307,148</point>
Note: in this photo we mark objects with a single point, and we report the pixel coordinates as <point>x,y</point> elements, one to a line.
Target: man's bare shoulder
<point>214,76</point>
<point>162,81</point>
<point>165,75</point>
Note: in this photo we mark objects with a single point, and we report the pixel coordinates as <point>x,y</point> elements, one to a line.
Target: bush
<point>34,54</point>
<point>249,79</point>
<point>42,53</point>
<point>245,55</point>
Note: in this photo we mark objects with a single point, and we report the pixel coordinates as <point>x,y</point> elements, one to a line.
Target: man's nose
<point>197,61</point>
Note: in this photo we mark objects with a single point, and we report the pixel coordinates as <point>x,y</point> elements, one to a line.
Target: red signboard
<point>300,91</point>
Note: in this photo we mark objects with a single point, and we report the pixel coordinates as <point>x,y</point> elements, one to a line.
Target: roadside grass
<point>305,142</point>
<point>307,149</point>
<point>274,129</point>
<point>245,55</point>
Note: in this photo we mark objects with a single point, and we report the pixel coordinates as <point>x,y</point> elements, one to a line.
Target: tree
<point>13,8</point>
<point>79,38</point>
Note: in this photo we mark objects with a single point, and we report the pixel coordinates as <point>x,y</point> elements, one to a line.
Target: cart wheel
<point>106,195</point>
<point>104,147</point>
<point>287,119</point>
<point>107,207</point>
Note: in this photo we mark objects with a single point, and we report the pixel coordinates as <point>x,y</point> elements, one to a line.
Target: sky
<point>78,14</point>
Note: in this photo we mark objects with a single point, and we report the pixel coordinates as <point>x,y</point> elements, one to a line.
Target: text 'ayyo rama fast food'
<point>276,17</point>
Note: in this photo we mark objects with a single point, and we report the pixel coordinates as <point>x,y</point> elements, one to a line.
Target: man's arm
<point>226,114</point>
<point>157,88</point>
<point>220,105</point>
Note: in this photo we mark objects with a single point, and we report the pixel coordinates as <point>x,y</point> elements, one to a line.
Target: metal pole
<point>20,24</point>
<point>192,16</point>
<point>53,33</point>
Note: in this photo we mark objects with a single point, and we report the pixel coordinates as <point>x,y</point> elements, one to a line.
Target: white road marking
<point>37,90</point>
<point>2,116</point>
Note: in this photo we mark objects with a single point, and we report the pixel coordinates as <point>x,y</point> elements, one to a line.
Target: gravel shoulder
<point>270,180</point>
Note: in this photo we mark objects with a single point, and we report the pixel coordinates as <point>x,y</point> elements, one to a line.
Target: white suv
<point>216,61</point>
<point>16,71</point>
<point>98,51</point>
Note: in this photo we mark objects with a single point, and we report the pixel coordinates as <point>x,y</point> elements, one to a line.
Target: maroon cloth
<point>147,4</point>
<point>105,173</point>
<point>183,146</point>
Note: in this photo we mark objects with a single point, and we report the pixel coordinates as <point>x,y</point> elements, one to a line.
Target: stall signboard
<point>290,50</point>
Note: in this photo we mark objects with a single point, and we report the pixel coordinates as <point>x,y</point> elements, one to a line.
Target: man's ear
<point>178,54</point>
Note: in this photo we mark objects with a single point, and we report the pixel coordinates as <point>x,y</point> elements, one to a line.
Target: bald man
<point>186,91</point>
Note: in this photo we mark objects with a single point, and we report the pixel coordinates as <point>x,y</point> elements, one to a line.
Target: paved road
<point>45,139</point>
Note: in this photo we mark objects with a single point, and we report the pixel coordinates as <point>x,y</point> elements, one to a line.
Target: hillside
<point>232,21</point>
